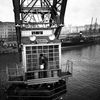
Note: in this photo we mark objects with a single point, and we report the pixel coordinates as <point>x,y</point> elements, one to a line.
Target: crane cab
<point>41,45</point>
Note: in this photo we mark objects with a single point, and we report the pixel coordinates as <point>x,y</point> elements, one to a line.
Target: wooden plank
<point>42,80</point>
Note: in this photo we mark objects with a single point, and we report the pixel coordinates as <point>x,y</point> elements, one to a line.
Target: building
<point>7,31</point>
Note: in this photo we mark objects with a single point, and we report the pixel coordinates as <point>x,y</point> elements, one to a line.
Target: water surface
<point>85,83</point>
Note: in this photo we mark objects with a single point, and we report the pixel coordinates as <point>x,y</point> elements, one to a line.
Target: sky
<point>78,12</point>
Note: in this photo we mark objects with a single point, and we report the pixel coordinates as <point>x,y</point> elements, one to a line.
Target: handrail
<point>18,72</point>
<point>68,67</point>
<point>43,70</point>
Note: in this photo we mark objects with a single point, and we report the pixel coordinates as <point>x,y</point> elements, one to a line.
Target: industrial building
<point>7,31</point>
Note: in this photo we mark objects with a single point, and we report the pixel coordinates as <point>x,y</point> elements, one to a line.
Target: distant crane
<point>91,26</point>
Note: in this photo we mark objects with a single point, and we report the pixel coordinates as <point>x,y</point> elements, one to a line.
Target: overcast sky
<point>78,12</point>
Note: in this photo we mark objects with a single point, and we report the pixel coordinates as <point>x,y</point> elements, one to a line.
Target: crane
<point>38,26</point>
<point>38,14</point>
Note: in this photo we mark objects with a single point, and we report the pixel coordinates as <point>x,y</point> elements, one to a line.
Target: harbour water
<point>85,82</point>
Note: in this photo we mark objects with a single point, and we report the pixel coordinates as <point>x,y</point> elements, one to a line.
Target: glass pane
<point>33,51</point>
<point>51,59</point>
<point>34,56</point>
<point>46,55</point>
<point>50,50</point>
<point>50,54</point>
<point>39,47</point>
<point>28,60</point>
<point>28,56</point>
<point>28,52</point>
<point>39,51</point>
<point>45,47</point>
<point>34,47</point>
<point>56,58</point>
<point>55,46</point>
<point>34,60</point>
<point>56,54</point>
<point>28,48</point>
<point>51,47</point>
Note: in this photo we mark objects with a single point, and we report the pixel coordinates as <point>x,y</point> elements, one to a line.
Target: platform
<point>46,91</point>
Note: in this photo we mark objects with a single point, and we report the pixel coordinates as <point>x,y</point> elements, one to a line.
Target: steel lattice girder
<point>53,10</point>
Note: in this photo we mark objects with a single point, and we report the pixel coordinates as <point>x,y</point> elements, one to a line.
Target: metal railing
<point>17,73</point>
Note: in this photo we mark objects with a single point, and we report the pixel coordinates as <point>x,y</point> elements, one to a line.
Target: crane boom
<point>30,14</point>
